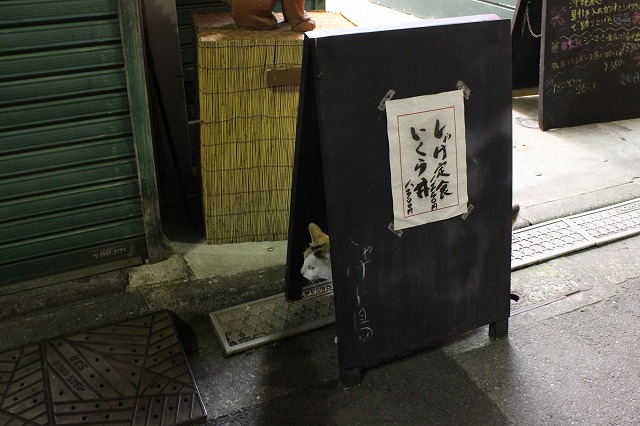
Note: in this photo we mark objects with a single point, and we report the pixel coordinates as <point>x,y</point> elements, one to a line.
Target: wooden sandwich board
<point>396,292</point>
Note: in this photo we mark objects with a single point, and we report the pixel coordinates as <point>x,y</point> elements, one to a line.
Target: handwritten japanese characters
<point>427,154</point>
<point>593,33</point>
<point>357,274</point>
<point>590,62</point>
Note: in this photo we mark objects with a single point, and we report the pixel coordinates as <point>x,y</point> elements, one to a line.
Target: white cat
<point>317,258</point>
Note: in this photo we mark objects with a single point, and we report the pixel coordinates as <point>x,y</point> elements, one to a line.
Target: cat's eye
<point>312,268</point>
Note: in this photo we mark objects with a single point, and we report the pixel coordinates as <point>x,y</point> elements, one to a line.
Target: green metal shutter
<point>69,186</point>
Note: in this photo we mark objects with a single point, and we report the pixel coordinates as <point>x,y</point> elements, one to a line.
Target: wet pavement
<point>572,361</point>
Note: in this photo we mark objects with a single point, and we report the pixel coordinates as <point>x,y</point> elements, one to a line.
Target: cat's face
<point>317,265</point>
<point>317,258</point>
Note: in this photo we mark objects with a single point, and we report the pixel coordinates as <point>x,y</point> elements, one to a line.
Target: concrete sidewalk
<point>566,171</point>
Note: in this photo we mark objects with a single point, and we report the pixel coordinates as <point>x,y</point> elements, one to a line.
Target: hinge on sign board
<point>284,76</point>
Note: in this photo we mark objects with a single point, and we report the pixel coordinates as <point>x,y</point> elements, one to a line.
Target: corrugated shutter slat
<point>66,133</point>
<point>61,86</point>
<point>66,156</point>
<point>58,243</point>
<point>20,12</point>
<point>61,60</point>
<point>67,178</point>
<point>64,35</point>
<point>29,115</point>
<point>69,220</point>
<point>11,211</point>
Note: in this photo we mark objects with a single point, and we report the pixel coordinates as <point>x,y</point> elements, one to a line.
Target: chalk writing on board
<point>361,321</point>
<point>359,267</point>
<point>630,78</point>
<point>557,16</point>
<point>427,154</point>
<point>357,272</point>
<point>597,34</point>
<point>590,62</point>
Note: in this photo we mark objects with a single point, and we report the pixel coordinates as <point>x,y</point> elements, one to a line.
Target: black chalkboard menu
<point>590,62</point>
<point>396,292</point>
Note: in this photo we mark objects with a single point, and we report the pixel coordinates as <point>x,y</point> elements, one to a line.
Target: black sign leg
<point>307,188</point>
<point>499,329</point>
<point>351,377</point>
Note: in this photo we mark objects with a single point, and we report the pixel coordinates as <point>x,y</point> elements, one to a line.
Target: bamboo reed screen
<point>247,130</point>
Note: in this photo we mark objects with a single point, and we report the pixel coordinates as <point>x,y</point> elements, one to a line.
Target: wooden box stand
<point>248,87</point>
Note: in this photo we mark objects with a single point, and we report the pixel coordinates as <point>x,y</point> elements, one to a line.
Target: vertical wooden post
<point>130,29</point>
<point>164,54</point>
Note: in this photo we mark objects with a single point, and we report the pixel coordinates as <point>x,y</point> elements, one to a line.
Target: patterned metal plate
<point>611,223</point>
<point>559,237</point>
<point>131,373</point>
<point>247,326</point>
<point>545,241</point>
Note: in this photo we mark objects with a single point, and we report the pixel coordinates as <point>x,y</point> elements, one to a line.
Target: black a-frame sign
<point>398,292</point>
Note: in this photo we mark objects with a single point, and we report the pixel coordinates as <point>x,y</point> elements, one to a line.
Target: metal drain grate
<point>131,373</point>
<point>545,241</point>
<point>559,237</point>
<point>610,223</point>
<point>247,326</point>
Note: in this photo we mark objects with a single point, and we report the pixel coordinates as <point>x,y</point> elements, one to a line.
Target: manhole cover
<point>529,123</point>
<point>131,373</point>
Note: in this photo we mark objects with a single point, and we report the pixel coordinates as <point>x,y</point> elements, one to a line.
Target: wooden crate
<point>248,112</point>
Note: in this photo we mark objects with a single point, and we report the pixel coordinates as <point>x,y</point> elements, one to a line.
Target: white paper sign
<point>428,159</point>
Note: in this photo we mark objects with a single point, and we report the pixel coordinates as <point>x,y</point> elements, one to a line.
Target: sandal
<point>302,23</point>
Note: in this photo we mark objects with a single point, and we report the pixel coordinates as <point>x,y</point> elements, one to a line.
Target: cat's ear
<point>318,238</point>
<point>515,210</point>
<point>320,254</point>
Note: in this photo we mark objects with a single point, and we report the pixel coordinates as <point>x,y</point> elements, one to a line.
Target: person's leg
<point>254,14</point>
